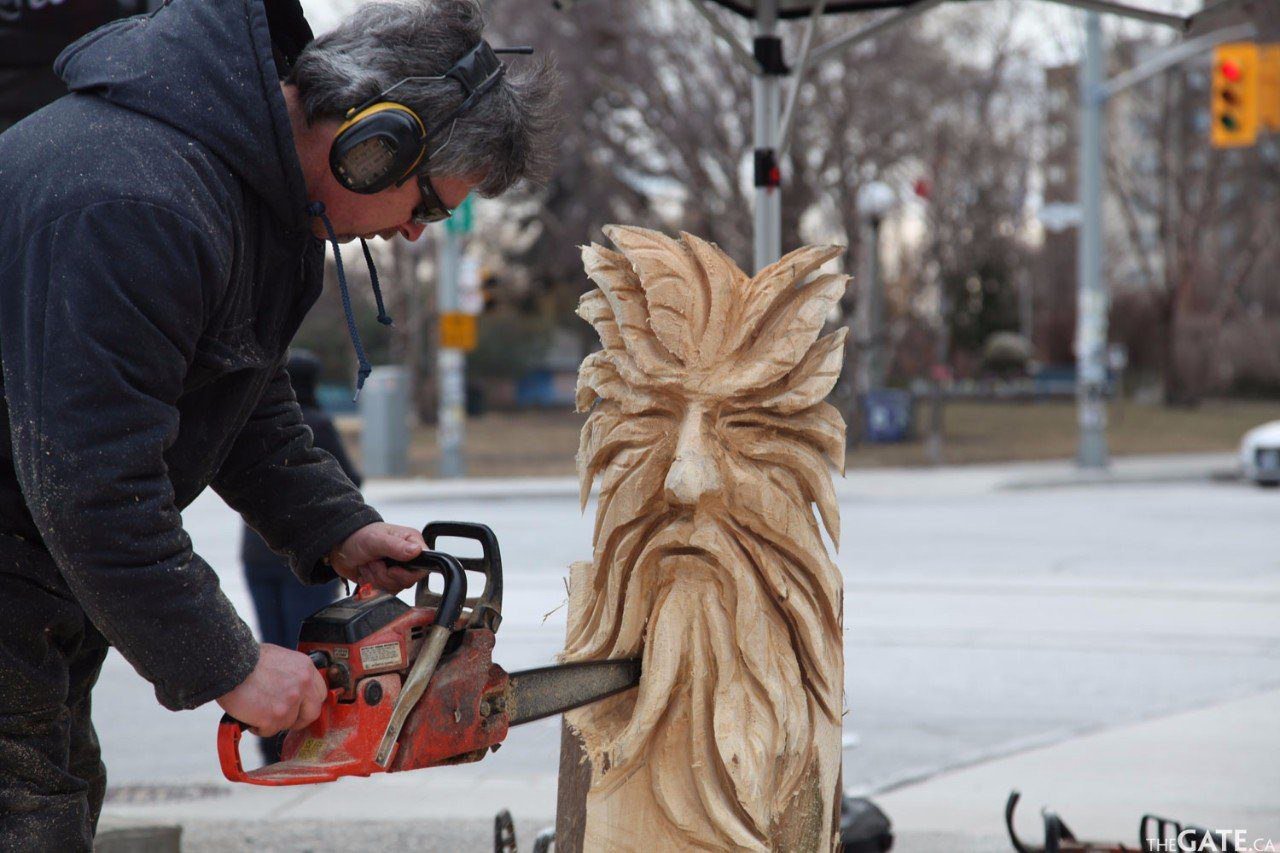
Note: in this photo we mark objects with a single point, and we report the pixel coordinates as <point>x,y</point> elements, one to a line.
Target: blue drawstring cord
<point>383,318</point>
<point>316,208</point>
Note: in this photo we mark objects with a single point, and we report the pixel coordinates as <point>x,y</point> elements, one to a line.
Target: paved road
<point>980,620</point>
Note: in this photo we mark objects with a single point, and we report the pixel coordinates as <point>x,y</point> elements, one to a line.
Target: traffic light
<point>1234,108</point>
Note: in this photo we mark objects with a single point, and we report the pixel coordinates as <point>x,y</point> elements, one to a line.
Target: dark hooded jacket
<point>155,261</point>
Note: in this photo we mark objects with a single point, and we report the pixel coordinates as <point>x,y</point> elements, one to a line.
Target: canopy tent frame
<point>764,61</point>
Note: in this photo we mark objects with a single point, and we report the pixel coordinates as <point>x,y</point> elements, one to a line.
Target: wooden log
<point>712,443</point>
<point>571,793</point>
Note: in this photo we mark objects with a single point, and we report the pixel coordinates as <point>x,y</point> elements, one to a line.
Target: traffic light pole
<point>1092,298</point>
<point>451,418</point>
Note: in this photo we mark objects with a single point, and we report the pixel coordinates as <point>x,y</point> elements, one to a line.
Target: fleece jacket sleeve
<point>294,494</point>
<point>103,310</point>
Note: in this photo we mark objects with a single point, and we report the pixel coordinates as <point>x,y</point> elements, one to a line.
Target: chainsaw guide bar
<point>537,693</point>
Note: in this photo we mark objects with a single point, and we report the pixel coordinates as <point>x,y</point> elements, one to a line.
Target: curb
<point>1105,478</point>
<point>1130,470</point>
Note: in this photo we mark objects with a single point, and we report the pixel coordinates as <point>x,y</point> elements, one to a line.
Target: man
<point>158,250</point>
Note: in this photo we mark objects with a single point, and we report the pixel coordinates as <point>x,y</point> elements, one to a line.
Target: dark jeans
<point>282,602</point>
<point>52,779</point>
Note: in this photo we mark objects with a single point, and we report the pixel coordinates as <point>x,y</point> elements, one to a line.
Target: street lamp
<point>874,201</point>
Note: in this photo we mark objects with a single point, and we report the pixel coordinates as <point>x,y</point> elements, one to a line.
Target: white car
<point>1260,454</point>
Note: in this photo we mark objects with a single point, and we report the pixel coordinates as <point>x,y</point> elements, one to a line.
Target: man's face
<point>383,214</point>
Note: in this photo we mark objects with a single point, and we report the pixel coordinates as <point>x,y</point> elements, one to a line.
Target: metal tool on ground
<point>1155,835</point>
<point>415,686</point>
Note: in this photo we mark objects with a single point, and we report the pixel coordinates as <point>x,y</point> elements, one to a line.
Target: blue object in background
<point>336,399</point>
<point>546,388</point>
<point>887,416</point>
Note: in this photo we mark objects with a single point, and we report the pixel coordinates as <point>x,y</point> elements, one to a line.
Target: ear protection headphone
<point>383,142</point>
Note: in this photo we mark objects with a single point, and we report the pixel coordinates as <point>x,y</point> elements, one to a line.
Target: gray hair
<point>507,136</point>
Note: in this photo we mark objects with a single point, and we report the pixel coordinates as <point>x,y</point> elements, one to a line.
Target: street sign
<point>462,219</point>
<point>1059,215</point>
<point>470,299</point>
<point>458,331</point>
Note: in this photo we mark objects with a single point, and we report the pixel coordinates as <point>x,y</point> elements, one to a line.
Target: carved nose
<point>693,474</point>
<point>691,478</point>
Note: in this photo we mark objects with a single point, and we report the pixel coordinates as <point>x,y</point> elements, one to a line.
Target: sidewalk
<point>1217,767</point>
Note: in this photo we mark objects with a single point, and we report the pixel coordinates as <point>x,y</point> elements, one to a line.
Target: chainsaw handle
<point>449,602</point>
<point>321,662</point>
<point>230,731</point>
<point>487,609</point>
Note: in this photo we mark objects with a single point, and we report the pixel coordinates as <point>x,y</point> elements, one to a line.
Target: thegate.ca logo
<point>1192,840</point>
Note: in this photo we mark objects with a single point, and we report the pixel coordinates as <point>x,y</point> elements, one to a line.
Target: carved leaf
<point>621,286</point>
<point>772,282</point>
<point>594,308</point>
<point>789,330</point>
<point>673,285</point>
<point>725,284</point>
<point>812,379</point>
<point>598,377</point>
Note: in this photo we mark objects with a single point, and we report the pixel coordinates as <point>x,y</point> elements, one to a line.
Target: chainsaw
<point>414,687</point>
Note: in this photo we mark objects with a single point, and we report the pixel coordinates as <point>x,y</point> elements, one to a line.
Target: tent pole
<point>766,103</point>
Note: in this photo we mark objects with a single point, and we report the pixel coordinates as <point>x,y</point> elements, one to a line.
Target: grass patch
<point>533,444</point>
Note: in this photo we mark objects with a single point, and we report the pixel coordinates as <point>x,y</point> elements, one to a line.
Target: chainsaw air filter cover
<point>349,620</point>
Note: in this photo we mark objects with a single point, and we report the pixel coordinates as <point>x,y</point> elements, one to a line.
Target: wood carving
<point>712,441</point>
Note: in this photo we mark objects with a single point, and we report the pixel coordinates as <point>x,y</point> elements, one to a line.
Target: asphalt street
<point>981,620</point>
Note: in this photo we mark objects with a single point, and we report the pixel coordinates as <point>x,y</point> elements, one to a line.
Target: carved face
<point>711,438</point>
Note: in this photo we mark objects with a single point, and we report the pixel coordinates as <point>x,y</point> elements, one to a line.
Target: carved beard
<point>716,604</point>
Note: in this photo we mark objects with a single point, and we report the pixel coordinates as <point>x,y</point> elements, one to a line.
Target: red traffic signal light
<point>1235,98</point>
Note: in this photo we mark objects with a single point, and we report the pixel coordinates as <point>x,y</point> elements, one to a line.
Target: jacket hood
<point>204,67</point>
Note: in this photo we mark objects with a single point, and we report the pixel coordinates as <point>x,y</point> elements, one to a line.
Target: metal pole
<point>874,28</point>
<point>450,365</point>
<point>797,78</point>
<point>942,348</point>
<point>874,293</point>
<point>1175,56</point>
<point>1151,16</point>
<point>1091,320</point>
<point>766,103</point>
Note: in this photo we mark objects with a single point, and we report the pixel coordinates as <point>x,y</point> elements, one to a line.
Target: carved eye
<point>738,420</point>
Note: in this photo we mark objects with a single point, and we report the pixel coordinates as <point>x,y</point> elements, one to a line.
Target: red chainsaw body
<point>460,716</point>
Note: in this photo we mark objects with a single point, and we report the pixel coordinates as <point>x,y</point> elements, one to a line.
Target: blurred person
<point>279,600</point>
<point>160,247</point>
<point>32,34</point>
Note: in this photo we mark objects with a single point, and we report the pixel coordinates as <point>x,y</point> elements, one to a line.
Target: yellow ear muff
<point>355,114</point>
<point>377,146</point>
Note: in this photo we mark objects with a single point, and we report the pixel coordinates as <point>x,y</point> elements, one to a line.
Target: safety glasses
<point>431,208</point>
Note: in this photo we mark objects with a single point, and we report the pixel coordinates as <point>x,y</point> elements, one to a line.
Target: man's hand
<point>361,558</point>
<point>284,691</point>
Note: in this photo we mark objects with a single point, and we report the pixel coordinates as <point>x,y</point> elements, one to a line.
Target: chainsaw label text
<point>384,654</point>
